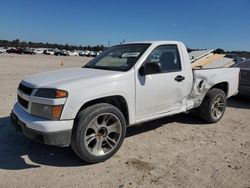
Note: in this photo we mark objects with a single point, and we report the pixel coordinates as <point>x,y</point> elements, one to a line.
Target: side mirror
<point>150,68</point>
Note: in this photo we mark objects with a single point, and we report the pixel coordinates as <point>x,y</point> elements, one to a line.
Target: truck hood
<point>60,78</point>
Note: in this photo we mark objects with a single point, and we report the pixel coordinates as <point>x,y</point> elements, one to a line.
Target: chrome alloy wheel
<point>103,134</point>
<point>218,107</point>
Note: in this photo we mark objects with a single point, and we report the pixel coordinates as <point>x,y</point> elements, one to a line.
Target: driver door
<point>163,91</point>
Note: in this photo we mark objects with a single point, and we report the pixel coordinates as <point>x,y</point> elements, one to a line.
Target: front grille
<point>25,89</point>
<point>23,102</point>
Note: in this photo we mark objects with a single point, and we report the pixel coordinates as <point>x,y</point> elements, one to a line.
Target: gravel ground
<point>177,151</point>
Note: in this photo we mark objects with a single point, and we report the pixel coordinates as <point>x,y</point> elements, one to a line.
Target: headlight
<point>47,111</point>
<point>51,93</point>
<point>52,112</point>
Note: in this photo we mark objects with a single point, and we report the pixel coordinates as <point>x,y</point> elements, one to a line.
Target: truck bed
<point>211,61</point>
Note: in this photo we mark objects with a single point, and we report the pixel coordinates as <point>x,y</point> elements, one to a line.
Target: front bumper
<point>57,133</point>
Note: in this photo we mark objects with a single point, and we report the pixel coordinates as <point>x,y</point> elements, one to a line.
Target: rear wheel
<point>98,132</point>
<point>213,106</point>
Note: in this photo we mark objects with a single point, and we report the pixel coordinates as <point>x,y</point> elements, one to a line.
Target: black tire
<point>205,111</point>
<point>81,126</point>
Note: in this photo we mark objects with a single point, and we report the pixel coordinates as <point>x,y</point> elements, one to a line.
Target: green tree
<point>16,43</point>
<point>219,51</point>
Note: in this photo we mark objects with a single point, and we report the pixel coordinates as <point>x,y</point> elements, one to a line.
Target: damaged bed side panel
<point>205,79</point>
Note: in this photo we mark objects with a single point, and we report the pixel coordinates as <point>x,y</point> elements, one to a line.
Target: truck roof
<point>154,42</point>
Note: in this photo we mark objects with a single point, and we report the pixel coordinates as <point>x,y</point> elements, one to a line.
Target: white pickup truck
<point>89,108</point>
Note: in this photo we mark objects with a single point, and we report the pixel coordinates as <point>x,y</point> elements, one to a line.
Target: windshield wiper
<point>87,66</point>
<point>96,67</point>
<point>103,68</point>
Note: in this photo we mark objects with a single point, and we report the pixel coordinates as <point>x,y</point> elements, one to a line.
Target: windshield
<point>118,58</point>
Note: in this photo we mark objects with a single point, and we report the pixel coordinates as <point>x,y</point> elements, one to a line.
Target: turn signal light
<point>56,111</point>
<point>61,93</point>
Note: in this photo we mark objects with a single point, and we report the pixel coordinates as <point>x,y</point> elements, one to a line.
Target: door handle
<point>179,78</point>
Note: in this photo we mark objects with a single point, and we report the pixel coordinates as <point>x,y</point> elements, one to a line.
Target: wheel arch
<point>224,86</point>
<point>115,100</point>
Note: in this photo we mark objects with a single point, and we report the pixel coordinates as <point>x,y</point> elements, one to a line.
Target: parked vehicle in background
<point>73,53</point>
<point>15,50</point>
<point>38,51</point>
<point>244,85</point>
<point>65,53</point>
<point>57,53</point>
<point>98,53</point>
<point>84,53</point>
<point>2,50</point>
<point>81,53</point>
<point>92,54</point>
<point>28,51</point>
<point>235,57</point>
<point>90,108</point>
<point>48,52</point>
<point>62,53</point>
<point>87,53</point>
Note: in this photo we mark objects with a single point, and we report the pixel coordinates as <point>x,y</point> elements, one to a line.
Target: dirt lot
<point>178,151</point>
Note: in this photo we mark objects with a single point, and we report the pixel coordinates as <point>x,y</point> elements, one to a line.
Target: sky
<point>198,23</point>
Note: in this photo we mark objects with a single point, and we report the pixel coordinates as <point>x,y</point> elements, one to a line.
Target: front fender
<point>80,97</point>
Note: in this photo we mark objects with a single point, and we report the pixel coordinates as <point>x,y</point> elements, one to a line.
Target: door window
<point>167,56</point>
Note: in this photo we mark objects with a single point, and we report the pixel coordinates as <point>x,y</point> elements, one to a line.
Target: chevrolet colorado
<point>89,108</point>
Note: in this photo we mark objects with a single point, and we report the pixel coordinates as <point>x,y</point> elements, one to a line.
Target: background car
<point>81,53</point>
<point>15,50</point>
<point>62,53</point>
<point>84,53</point>
<point>244,85</point>
<point>28,51</point>
<point>2,50</point>
<point>38,51</point>
<point>235,57</point>
<point>98,53</point>
<point>73,53</point>
<point>48,52</point>
<point>92,54</point>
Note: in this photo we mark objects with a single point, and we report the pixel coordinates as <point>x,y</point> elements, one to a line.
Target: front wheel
<point>213,106</point>
<point>98,132</point>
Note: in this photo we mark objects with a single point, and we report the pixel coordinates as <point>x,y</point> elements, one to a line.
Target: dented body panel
<point>205,79</point>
